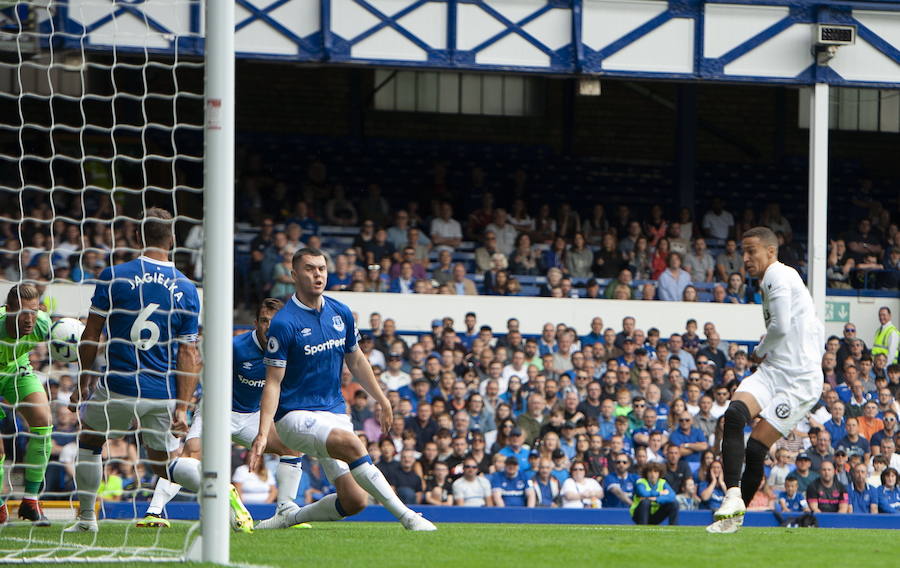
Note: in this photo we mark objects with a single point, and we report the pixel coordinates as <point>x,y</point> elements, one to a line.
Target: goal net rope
<point>101,118</point>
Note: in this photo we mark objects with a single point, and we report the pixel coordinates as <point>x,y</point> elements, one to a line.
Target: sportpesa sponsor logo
<point>257,384</point>
<point>330,344</point>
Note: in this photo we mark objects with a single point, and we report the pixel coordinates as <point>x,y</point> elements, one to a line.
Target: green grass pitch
<point>387,544</point>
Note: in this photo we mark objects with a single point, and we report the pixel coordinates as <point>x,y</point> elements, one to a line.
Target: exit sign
<point>837,311</point>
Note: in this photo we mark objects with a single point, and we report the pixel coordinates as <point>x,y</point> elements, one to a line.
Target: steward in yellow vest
<point>654,499</point>
<point>887,338</point>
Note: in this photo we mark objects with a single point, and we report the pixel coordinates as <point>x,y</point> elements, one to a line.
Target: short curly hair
<point>653,466</point>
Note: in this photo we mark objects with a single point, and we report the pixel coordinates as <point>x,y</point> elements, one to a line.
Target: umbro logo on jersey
<point>338,322</point>
<point>306,332</point>
<point>248,365</point>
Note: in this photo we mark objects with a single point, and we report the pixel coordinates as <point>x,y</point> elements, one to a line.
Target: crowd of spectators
<point>566,419</point>
<point>445,244</point>
<point>512,248</point>
<point>569,420</point>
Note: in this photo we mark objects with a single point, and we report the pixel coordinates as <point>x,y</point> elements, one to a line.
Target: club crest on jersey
<point>306,332</point>
<point>338,322</point>
<point>272,345</point>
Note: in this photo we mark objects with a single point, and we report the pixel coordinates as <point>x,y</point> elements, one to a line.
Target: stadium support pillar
<point>817,247</point>
<point>569,87</point>
<point>686,144</point>
<point>218,250</point>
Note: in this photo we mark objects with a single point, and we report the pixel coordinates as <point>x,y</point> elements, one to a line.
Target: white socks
<point>164,492</point>
<point>287,475</point>
<point>372,480</point>
<point>186,471</point>
<point>88,473</point>
<point>325,509</point>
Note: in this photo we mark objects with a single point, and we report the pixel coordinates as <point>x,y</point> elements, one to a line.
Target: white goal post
<point>219,273</point>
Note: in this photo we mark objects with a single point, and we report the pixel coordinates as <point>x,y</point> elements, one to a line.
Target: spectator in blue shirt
<point>791,500</point>
<point>607,420</point>
<point>560,465</point>
<point>342,276</point>
<point>516,448</point>
<point>853,442</point>
<point>619,483</point>
<point>596,334</point>
<point>640,436</point>
<point>837,426</point>
<point>673,280</point>
<point>301,217</point>
<point>567,439</point>
<point>888,494</point>
<point>803,474</point>
<point>712,489</point>
<point>545,485</point>
<point>689,439</point>
<point>405,282</point>
<point>510,487</point>
<point>863,498</point>
<point>889,418</point>
<point>654,499</point>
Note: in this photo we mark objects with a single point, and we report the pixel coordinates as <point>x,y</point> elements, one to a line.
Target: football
<point>65,334</point>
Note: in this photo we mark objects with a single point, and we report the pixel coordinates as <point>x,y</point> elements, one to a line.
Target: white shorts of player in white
<point>784,397</point>
<point>111,414</point>
<point>244,427</point>
<point>308,430</point>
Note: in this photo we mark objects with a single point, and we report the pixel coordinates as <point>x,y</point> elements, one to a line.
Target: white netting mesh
<point>101,114</point>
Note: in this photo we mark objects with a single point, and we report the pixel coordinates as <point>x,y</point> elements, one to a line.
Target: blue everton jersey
<point>311,344</point>
<point>150,307</point>
<point>249,376</point>
<point>795,504</point>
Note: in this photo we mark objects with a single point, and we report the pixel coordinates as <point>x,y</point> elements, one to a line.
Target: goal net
<point>101,118</point>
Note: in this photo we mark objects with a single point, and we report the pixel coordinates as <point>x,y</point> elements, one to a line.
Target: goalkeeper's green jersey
<point>14,351</point>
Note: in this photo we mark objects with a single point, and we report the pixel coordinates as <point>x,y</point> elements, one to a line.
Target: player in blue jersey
<point>309,341</point>
<point>148,311</point>
<point>248,378</point>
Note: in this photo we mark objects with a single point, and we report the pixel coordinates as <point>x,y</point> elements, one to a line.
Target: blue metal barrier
<point>522,515</point>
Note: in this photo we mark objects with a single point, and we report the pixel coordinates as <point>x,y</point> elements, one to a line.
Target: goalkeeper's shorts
<point>15,389</point>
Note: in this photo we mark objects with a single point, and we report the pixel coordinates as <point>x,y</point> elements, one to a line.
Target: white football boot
<point>83,525</point>
<point>413,521</point>
<point>730,516</point>
<point>283,518</point>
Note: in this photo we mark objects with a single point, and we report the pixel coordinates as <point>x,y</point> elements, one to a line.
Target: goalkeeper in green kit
<point>22,326</point>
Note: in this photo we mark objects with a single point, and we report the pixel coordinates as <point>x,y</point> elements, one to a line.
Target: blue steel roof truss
<point>324,45</point>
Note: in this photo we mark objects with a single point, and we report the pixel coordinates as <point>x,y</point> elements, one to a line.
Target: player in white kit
<point>787,382</point>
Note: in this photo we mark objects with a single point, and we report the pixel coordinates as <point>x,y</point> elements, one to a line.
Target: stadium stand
<point>459,370</point>
<point>596,397</point>
<point>463,174</point>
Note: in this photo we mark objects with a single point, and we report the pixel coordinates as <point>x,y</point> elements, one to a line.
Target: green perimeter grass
<point>454,545</point>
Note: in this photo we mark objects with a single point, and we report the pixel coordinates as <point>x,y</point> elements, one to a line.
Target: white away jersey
<point>795,338</point>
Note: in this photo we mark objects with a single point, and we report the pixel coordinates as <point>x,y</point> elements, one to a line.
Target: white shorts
<point>111,414</point>
<point>785,398</point>
<point>307,431</point>
<point>244,427</point>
